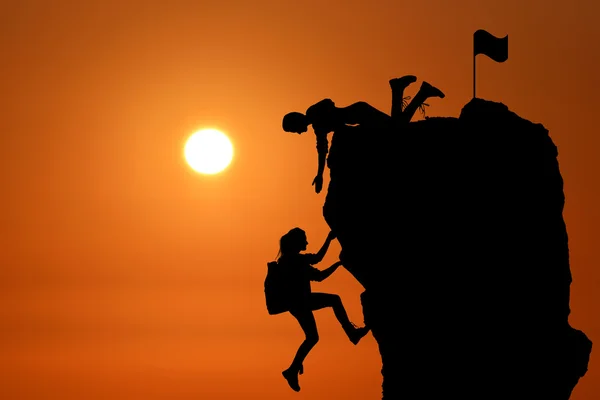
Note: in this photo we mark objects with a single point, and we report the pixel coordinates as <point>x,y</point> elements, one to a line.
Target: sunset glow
<point>147,181</point>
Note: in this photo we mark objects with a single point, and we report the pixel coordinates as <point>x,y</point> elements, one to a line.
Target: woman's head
<point>293,242</point>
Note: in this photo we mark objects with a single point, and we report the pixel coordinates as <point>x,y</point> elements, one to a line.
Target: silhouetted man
<point>325,117</point>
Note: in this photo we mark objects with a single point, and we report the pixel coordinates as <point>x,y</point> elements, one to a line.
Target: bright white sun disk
<point>208,151</point>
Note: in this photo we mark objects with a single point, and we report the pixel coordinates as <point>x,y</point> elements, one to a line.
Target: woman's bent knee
<point>335,298</point>
<point>312,338</point>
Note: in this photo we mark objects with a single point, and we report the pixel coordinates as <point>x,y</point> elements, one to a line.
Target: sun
<point>208,151</point>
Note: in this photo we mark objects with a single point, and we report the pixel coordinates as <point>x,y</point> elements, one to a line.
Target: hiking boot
<point>431,91</point>
<point>291,377</point>
<point>357,334</point>
<point>403,82</point>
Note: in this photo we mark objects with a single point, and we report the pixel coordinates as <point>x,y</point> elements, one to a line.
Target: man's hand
<point>318,183</point>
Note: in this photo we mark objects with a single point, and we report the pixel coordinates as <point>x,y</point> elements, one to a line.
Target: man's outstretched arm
<point>322,149</point>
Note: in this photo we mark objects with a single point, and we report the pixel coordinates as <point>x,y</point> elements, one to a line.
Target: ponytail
<point>289,242</point>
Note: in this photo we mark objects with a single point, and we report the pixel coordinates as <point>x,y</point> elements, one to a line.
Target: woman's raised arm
<point>318,257</point>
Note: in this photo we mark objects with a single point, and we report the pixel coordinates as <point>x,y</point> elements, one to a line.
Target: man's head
<point>295,122</point>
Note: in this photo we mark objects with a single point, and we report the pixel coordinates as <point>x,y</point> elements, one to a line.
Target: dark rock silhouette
<point>454,227</point>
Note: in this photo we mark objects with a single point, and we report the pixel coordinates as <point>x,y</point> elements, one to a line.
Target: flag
<point>487,44</point>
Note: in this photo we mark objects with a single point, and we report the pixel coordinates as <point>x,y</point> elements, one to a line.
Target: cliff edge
<point>454,227</point>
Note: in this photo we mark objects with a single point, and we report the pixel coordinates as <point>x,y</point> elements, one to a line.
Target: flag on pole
<point>487,44</point>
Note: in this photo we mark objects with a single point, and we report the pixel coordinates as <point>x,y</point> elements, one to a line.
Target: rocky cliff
<point>454,227</point>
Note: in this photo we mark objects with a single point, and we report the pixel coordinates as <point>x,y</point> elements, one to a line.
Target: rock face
<point>454,227</point>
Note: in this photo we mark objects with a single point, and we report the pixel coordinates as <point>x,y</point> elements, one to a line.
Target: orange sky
<point>125,275</point>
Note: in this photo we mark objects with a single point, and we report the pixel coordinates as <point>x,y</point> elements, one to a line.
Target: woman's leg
<point>322,300</point>
<point>307,322</point>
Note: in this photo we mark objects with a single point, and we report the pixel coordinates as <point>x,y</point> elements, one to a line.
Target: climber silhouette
<point>325,117</point>
<point>483,189</point>
<point>302,302</point>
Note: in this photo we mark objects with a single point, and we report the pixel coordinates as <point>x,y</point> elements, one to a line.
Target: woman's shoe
<point>291,377</point>
<point>357,334</point>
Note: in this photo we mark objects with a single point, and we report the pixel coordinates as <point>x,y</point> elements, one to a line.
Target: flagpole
<point>474,65</point>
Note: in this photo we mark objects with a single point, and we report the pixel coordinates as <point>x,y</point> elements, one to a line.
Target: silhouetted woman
<point>302,302</point>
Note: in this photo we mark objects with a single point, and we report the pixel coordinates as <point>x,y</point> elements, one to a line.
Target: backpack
<point>276,293</point>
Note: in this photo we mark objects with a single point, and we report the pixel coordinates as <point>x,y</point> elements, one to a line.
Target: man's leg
<point>398,85</point>
<point>426,91</point>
